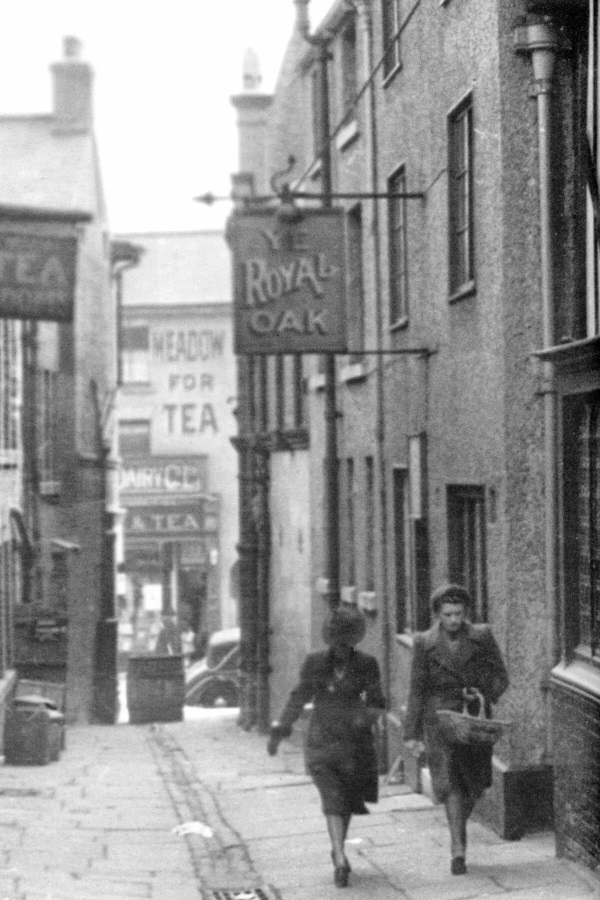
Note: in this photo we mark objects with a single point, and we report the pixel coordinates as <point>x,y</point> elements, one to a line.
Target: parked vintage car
<point>214,680</point>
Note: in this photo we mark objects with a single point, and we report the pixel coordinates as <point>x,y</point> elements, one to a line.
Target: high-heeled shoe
<point>458,866</point>
<point>341,875</point>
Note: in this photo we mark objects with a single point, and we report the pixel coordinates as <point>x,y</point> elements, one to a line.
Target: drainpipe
<point>331,567</point>
<point>538,38</point>
<point>365,12</point>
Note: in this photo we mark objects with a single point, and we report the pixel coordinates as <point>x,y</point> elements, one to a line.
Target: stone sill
<point>579,676</point>
<point>353,372</point>
<point>347,135</point>
<point>316,382</point>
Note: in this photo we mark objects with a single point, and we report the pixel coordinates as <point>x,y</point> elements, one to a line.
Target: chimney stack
<point>302,20</point>
<point>72,90</point>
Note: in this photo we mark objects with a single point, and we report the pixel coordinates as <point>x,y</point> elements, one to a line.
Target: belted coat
<point>339,749</point>
<point>438,677</point>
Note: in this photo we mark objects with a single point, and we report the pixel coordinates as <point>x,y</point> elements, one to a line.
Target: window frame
<point>461,223</point>
<point>467,543</point>
<point>398,281</point>
<point>133,359</point>
<point>391,38</point>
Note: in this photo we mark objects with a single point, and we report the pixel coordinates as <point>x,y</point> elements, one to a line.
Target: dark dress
<point>339,749</point>
<point>437,679</point>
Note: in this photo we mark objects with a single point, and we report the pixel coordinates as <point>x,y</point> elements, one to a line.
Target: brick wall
<point>576,719</point>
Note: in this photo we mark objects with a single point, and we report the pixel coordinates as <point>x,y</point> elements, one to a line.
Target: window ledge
<point>367,601</point>
<point>348,595</point>
<point>400,324</point>
<point>356,371</point>
<point>347,135</point>
<point>50,490</point>
<point>406,639</point>
<point>315,170</point>
<point>467,290</point>
<point>316,382</point>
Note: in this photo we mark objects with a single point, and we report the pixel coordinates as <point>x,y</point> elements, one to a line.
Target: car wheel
<point>223,694</point>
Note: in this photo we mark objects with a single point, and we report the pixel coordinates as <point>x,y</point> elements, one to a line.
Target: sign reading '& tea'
<point>289,282</point>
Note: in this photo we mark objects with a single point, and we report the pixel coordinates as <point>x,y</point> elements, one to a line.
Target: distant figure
<point>451,660</point>
<point>344,685</point>
<point>168,642</point>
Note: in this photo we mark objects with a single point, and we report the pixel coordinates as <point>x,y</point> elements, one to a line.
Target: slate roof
<point>45,168</point>
<point>178,268</point>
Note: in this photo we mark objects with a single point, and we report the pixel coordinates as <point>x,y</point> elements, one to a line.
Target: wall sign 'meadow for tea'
<point>37,277</point>
<point>289,282</point>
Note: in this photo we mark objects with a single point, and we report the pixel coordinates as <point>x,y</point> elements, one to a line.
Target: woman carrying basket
<point>451,662</point>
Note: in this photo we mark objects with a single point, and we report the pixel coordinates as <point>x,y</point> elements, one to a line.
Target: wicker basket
<point>463,728</point>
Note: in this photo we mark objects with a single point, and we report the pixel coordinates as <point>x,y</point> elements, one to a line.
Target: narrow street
<point>197,809</point>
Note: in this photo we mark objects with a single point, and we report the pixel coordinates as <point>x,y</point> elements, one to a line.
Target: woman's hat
<point>344,624</point>
<point>450,593</point>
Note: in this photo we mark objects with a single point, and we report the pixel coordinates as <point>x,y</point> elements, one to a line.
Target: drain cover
<point>260,893</point>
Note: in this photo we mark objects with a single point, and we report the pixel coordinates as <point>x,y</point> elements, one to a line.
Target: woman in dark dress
<point>451,660</point>
<point>345,688</point>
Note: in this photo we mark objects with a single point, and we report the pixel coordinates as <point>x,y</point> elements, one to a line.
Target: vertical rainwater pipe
<point>537,37</point>
<point>365,11</point>
<point>331,564</point>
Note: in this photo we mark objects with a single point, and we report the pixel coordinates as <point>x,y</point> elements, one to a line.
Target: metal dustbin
<point>34,732</point>
<point>155,689</point>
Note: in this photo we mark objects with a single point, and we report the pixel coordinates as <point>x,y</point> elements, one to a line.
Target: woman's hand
<point>276,734</point>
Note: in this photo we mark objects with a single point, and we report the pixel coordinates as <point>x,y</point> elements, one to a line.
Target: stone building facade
<point>467,427</point>
<point>57,562</point>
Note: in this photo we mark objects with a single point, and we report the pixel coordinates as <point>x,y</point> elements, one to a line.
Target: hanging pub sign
<point>289,280</point>
<point>37,276</point>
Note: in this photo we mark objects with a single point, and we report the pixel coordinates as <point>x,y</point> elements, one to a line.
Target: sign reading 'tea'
<point>37,277</point>
<point>289,282</point>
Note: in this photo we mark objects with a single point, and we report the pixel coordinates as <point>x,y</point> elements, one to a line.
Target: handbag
<point>462,728</point>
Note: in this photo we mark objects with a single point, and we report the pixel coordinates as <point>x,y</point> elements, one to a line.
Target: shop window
<point>135,354</point>
<point>467,545</point>
<point>390,10</point>
<point>460,199</point>
<point>398,250</point>
<point>134,437</point>
<point>581,492</point>
<point>592,175</point>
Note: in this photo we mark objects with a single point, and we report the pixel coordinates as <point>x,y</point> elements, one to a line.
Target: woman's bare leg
<point>457,823</point>
<point>335,827</point>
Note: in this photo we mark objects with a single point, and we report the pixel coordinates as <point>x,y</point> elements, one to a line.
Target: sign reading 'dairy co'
<point>37,277</point>
<point>289,282</point>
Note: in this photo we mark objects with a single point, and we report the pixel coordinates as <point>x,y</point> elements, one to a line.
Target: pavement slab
<point>99,825</point>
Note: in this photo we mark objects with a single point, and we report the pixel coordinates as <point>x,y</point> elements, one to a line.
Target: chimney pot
<point>71,47</point>
<point>72,89</point>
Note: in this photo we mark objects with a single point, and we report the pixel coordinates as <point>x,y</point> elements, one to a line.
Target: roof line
<point>42,214</point>
<point>130,234</point>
